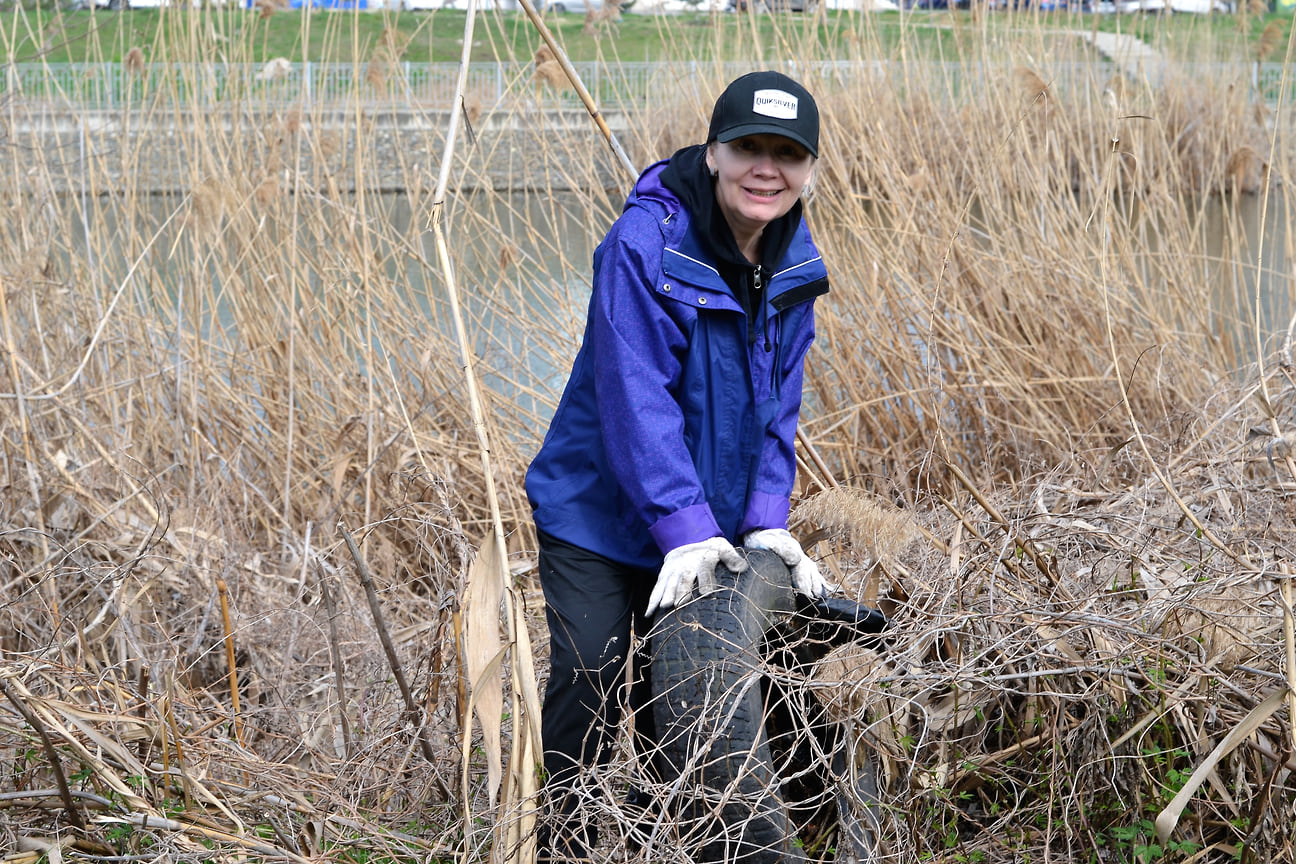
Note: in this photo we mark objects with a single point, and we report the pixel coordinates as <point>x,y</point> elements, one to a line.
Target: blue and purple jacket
<point>677,423</point>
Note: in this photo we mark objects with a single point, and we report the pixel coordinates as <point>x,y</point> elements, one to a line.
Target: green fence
<point>431,86</point>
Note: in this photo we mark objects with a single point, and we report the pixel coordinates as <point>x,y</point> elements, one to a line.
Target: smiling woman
<point>674,440</point>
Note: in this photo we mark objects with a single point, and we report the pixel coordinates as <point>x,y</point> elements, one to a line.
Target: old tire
<point>709,712</point>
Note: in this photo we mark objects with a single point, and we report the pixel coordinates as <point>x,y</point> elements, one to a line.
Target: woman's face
<point>758,179</point>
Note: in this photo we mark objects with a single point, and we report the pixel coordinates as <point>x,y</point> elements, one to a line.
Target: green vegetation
<point>241,35</point>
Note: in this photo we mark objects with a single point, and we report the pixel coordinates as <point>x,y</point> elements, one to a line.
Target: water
<point>1249,262</point>
<point>522,265</point>
<point>1245,261</point>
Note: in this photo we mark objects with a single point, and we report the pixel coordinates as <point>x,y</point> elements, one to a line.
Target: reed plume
<point>377,72</point>
<point>597,20</point>
<point>1270,41</point>
<point>1031,85</point>
<point>1245,170</point>
<point>548,71</point>
<point>133,62</point>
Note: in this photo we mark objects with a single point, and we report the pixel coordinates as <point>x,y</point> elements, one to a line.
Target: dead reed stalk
<point>231,663</point>
<point>55,763</point>
<point>491,584</point>
<point>413,715</point>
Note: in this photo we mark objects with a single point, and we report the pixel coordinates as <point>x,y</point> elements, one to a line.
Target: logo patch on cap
<point>775,103</point>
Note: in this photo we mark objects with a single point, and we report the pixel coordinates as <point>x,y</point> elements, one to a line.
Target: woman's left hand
<point>806,578</point>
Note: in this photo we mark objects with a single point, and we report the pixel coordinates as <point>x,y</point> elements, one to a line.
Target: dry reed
<point>134,61</point>
<point>548,70</point>
<point>205,383</point>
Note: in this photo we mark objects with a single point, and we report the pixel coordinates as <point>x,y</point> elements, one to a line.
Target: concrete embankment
<point>104,152</point>
<point>1135,58</point>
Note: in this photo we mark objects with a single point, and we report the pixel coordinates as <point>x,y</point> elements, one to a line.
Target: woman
<point>674,439</point>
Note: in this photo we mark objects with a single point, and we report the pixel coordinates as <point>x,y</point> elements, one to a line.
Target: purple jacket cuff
<point>691,524</point>
<point>765,511</point>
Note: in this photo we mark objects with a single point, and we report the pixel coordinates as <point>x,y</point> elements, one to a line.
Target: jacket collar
<point>798,258</point>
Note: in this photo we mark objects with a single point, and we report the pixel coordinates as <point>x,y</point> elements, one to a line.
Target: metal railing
<point>430,86</point>
<point>276,84</point>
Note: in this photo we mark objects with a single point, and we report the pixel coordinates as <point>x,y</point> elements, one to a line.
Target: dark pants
<point>590,604</point>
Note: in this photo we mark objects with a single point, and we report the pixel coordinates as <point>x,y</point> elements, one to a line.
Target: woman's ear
<point>710,159</point>
<point>808,188</point>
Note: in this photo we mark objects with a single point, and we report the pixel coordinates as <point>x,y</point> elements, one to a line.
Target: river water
<point>522,262</point>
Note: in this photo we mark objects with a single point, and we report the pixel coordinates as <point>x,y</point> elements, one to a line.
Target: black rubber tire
<point>710,718</point>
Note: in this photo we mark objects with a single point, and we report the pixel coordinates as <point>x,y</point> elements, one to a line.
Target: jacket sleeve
<point>638,343</point>
<point>770,500</point>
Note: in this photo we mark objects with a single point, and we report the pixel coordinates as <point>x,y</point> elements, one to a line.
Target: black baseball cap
<point>766,102</point>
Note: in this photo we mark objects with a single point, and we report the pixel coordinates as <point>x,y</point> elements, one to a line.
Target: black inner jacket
<point>689,178</point>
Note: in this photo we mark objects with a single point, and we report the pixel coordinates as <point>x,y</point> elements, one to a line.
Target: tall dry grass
<point>1044,277</point>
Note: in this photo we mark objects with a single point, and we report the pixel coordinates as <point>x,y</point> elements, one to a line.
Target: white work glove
<point>689,566</point>
<point>806,578</point>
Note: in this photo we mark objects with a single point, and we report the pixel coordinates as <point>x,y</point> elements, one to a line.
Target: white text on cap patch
<point>775,103</point>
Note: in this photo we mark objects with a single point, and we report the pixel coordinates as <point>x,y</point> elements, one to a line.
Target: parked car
<point>314,4</point>
<point>774,5</point>
<point>577,6</point>
<point>117,5</point>
<point>675,7</point>
<point>1200,7</point>
<point>430,5</point>
<point>581,6</point>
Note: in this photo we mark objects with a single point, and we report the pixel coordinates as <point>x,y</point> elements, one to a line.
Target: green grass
<point>95,36</point>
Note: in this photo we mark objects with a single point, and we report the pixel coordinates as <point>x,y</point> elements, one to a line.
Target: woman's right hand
<point>692,566</point>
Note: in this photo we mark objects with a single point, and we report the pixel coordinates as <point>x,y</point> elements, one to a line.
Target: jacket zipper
<point>758,292</point>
